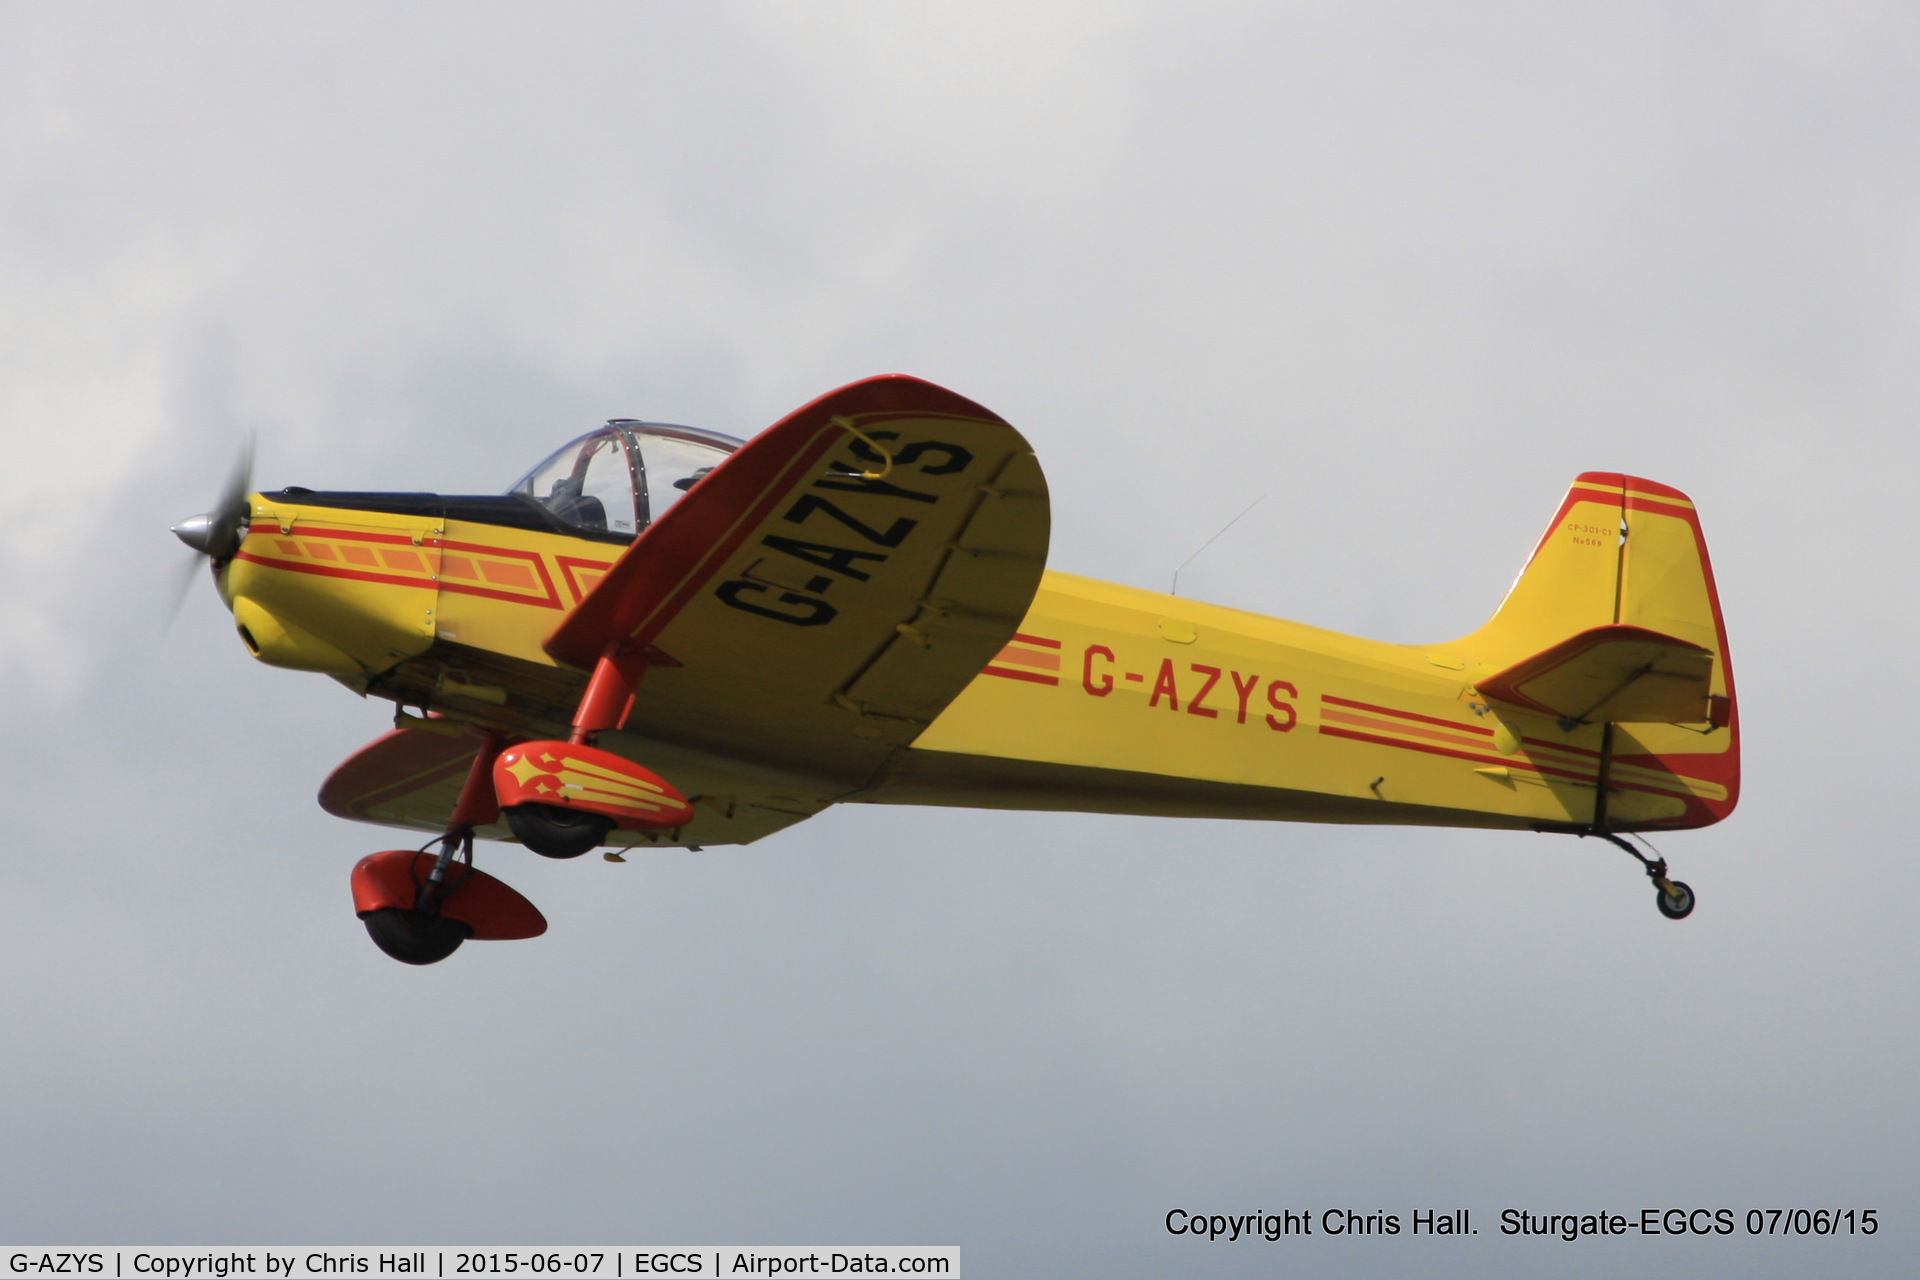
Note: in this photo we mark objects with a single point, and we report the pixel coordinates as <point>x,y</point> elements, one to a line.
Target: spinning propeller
<point>215,535</point>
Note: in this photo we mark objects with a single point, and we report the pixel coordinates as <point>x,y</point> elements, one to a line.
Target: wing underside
<point>412,777</point>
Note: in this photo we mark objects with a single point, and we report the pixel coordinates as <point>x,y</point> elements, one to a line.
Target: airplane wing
<point>1619,673</point>
<point>412,777</point>
<point>409,777</point>
<point>818,598</point>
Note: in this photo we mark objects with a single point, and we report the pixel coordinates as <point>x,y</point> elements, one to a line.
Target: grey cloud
<point>1405,271</point>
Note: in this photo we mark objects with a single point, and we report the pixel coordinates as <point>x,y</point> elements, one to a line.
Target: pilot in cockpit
<point>615,481</point>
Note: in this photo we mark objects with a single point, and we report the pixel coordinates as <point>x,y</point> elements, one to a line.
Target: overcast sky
<point>1405,271</point>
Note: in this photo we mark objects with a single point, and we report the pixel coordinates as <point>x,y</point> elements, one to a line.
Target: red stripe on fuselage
<point>1405,715</point>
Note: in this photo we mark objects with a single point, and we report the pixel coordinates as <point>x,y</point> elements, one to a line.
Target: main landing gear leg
<point>475,807</point>
<point>419,907</point>
<point>1673,897</point>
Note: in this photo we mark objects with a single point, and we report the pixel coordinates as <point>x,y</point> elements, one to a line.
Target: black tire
<point>554,832</point>
<point>414,937</point>
<point>1675,906</point>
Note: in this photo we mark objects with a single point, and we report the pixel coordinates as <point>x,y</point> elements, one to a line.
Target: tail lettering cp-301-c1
<point>665,637</point>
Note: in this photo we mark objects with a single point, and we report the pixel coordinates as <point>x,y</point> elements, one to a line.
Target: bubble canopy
<point>618,479</point>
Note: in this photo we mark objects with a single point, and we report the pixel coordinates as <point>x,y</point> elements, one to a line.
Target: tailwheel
<point>415,937</point>
<point>1674,899</point>
<point>556,832</point>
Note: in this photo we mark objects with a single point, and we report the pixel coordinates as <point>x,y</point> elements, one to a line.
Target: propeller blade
<point>215,535</point>
<point>183,584</point>
<point>231,512</point>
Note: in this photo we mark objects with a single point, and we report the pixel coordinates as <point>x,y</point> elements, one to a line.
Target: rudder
<point>1615,620</point>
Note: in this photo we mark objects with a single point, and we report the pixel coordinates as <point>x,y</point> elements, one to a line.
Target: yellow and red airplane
<point>666,637</point>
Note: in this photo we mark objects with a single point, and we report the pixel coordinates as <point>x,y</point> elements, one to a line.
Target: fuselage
<point>1107,699</point>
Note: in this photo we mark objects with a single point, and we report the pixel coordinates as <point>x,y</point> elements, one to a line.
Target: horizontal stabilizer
<point>1617,673</point>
